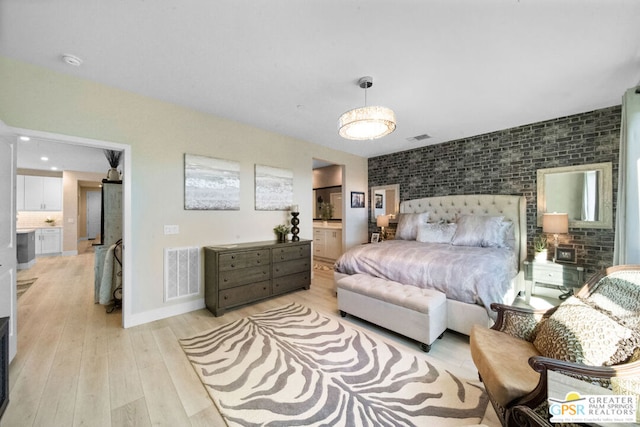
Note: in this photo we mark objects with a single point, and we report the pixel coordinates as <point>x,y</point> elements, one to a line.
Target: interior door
<point>94,206</point>
<point>8,250</point>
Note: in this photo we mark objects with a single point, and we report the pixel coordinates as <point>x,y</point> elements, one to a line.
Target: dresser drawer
<point>237,260</point>
<point>242,276</point>
<point>293,281</point>
<point>557,276</point>
<point>291,253</point>
<point>243,294</point>
<point>290,267</point>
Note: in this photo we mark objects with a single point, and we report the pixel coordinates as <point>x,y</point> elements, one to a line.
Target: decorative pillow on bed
<point>501,237</point>
<point>601,340</point>
<point>436,233</point>
<point>408,224</point>
<point>479,230</point>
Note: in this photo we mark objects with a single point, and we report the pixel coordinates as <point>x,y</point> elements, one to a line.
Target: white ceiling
<point>451,69</point>
<point>61,156</point>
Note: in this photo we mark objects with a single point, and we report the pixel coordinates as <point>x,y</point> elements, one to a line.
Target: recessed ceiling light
<point>25,138</point>
<point>44,159</point>
<point>53,168</point>
<point>71,59</point>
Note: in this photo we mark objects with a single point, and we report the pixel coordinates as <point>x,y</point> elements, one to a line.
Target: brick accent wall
<point>505,162</point>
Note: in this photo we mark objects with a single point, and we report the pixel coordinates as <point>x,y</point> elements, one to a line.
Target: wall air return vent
<point>181,272</point>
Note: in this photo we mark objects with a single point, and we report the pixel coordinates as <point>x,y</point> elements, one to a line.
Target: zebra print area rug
<point>293,366</point>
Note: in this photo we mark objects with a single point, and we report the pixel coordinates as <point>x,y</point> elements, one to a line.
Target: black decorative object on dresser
<point>294,226</point>
<point>242,273</point>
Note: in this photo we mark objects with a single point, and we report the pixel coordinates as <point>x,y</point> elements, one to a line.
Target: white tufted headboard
<point>448,207</point>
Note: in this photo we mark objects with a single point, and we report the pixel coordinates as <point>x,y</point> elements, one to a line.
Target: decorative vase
<point>294,226</point>
<point>541,256</point>
<point>113,175</point>
<point>282,237</point>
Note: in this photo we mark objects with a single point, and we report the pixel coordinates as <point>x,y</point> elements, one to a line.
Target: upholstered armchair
<point>593,336</point>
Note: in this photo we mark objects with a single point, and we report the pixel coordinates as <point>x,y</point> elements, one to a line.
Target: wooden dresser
<point>247,272</point>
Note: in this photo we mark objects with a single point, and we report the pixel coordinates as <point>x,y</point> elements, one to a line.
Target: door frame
<point>127,246</point>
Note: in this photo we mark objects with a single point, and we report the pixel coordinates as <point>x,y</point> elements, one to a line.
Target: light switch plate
<point>171,229</point>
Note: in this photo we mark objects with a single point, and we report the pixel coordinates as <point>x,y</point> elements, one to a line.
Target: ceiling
<point>61,156</point>
<point>449,69</point>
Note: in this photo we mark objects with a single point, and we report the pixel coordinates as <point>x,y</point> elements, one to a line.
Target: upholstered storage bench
<point>417,313</point>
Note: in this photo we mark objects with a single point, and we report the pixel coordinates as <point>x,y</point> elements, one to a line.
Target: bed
<point>454,253</point>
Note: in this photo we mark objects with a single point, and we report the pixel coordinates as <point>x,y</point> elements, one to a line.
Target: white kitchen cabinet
<point>48,241</point>
<point>42,193</point>
<point>20,193</point>
<point>327,242</point>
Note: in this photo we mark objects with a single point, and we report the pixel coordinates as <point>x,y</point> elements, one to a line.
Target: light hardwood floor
<point>76,366</point>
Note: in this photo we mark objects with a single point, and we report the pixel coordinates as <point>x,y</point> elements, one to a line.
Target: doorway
<point>66,140</point>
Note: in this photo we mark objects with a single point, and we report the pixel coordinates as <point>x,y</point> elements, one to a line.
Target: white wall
<point>160,134</point>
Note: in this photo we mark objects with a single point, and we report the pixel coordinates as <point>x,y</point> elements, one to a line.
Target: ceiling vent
<point>419,137</point>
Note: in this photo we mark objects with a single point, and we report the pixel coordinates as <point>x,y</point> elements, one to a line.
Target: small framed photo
<point>379,201</point>
<point>375,237</point>
<point>567,255</point>
<point>357,199</point>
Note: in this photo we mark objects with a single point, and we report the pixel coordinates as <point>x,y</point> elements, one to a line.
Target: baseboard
<point>26,265</point>
<point>164,312</point>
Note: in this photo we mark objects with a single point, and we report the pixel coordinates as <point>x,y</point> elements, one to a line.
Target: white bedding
<point>474,275</point>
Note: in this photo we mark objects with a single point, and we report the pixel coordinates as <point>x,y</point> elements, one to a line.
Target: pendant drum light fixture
<point>366,122</point>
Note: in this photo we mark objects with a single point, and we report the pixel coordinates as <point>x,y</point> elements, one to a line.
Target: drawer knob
<point>233,265</point>
<point>225,297</point>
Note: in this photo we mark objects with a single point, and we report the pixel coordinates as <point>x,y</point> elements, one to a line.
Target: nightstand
<point>550,274</point>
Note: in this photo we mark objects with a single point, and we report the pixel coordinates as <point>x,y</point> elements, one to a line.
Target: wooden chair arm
<point>519,322</point>
<point>543,364</point>
<point>590,374</point>
<point>523,416</point>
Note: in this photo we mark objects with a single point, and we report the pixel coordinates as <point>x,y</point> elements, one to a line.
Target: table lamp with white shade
<point>555,223</point>
<point>382,221</point>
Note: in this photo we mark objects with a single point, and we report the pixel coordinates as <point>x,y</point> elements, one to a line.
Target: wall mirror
<point>331,195</point>
<point>385,200</point>
<point>584,192</point>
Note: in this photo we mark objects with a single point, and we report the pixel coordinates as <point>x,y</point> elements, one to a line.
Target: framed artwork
<point>274,188</point>
<point>211,184</point>
<point>567,255</point>
<point>375,237</point>
<point>379,201</point>
<point>357,199</point>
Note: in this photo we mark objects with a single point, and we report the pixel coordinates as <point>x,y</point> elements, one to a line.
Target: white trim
<point>164,312</point>
<point>126,215</point>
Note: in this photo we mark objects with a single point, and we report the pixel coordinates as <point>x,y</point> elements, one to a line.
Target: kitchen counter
<point>333,226</point>
<point>27,229</point>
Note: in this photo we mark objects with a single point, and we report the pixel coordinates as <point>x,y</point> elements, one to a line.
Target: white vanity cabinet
<point>41,193</point>
<point>327,242</point>
<point>48,241</point>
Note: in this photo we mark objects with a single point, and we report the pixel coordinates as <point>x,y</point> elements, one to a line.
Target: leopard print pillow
<point>577,332</point>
